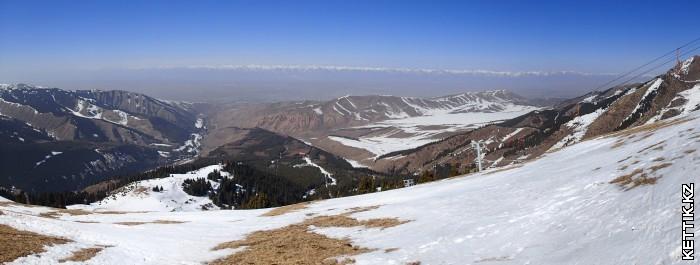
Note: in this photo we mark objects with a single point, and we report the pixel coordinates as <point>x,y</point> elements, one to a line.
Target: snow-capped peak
<point>685,66</point>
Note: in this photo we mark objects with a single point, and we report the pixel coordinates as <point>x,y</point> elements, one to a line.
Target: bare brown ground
<point>346,221</point>
<point>654,168</point>
<point>141,191</point>
<point>290,245</point>
<point>389,250</point>
<point>18,204</point>
<point>153,222</point>
<point>689,151</point>
<point>656,145</point>
<point>623,160</point>
<point>658,159</point>
<point>16,243</point>
<point>618,143</point>
<point>58,212</point>
<point>503,169</point>
<point>286,209</point>
<point>87,222</point>
<point>82,255</point>
<point>638,177</point>
<point>295,244</point>
<point>363,209</point>
<point>648,128</point>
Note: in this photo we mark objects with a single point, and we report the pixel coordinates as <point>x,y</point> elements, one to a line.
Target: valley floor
<point>610,200</point>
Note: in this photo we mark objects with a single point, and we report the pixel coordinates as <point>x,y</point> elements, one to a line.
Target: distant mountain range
<point>55,140</point>
<point>533,134</point>
<point>348,124</point>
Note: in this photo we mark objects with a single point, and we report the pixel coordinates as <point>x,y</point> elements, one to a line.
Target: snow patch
<point>139,196</point>
<point>47,157</point>
<point>558,209</point>
<point>325,173</point>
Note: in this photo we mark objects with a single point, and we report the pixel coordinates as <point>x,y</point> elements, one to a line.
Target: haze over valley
<point>355,132</point>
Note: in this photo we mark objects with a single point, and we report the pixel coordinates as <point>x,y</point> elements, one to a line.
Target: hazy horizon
<point>279,50</point>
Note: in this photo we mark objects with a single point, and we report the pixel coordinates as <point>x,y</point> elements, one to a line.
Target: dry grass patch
<point>626,179</point>
<point>82,255</point>
<point>290,245</point>
<point>503,169</point>
<point>623,160</point>
<point>636,178</point>
<point>287,209</point>
<point>389,250</point>
<point>346,221</point>
<point>19,204</point>
<point>295,244</point>
<point>654,168</point>
<point>689,151</point>
<point>58,212</point>
<point>658,159</point>
<point>363,209</point>
<point>652,127</point>
<point>15,243</point>
<point>141,191</point>
<point>618,143</point>
<point>656,145</point>
<point>152,222</point>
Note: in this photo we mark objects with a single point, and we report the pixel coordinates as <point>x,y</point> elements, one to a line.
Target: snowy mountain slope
<point>596,113</point>
<point>94,115</point>
<point>406,121</point>
<point>410,132</point>
<point>609,200</point>
<point>139,196</point>
<point>102,133</point>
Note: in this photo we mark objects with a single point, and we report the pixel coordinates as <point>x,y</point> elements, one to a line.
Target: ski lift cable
<point>658,66</point>
<point>647,64</point>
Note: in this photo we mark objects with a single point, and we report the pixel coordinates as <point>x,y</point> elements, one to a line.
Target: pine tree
<point>427,176</point>
<point>366,185</point>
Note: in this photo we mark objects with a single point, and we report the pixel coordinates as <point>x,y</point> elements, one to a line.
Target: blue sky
<point>43,39</point>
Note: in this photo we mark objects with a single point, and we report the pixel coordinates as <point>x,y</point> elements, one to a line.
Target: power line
<point>648,63</point>
<point>658,66</point>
